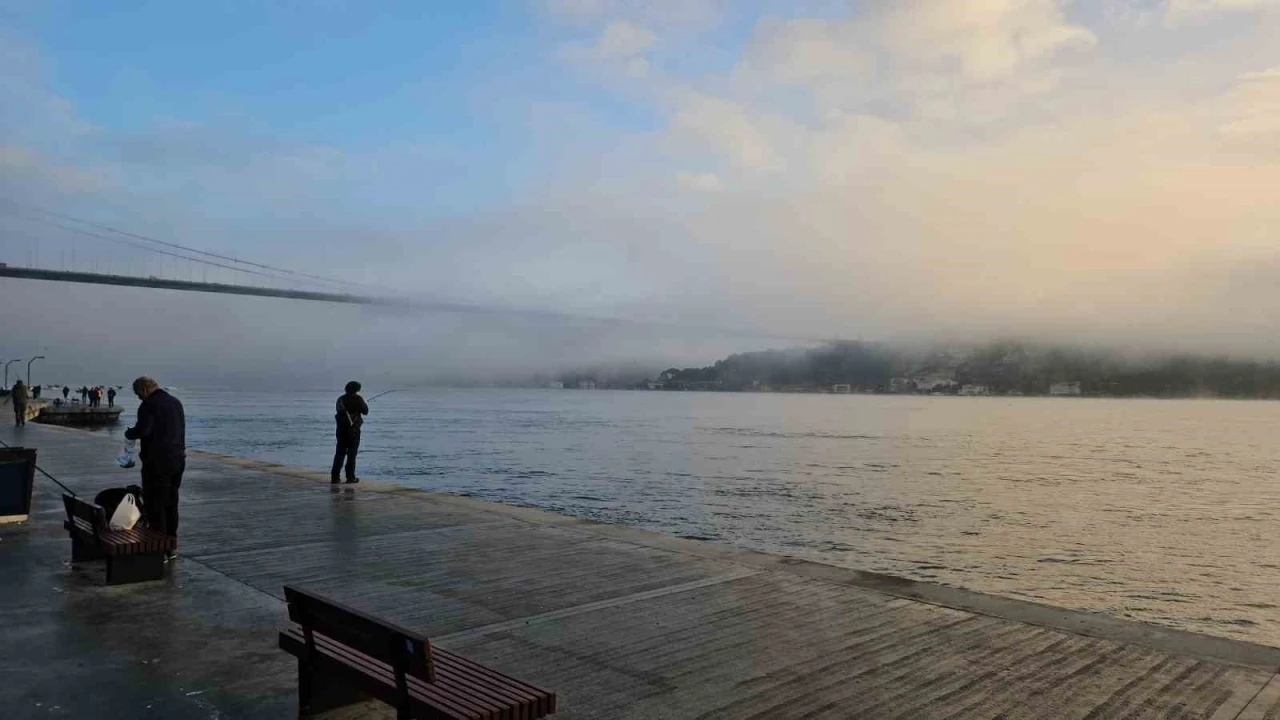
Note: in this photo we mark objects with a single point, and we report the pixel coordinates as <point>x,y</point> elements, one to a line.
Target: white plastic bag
<point>127,514</point>
<point>125,458</point>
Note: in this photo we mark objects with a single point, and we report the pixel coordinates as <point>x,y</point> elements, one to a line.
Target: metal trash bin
<point>17,474</point>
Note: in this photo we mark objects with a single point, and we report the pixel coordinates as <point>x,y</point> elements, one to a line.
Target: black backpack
<point>110,498</point>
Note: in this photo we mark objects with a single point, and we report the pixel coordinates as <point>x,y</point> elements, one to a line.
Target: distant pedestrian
<point>35,392</point>
<point>84,394</point>
<point>66,392</point>
<point>162,428</point>
<point>19,398</point>
<point>349,416</point>
<point>111,397</point>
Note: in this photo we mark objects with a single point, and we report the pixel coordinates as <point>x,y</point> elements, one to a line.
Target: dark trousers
<point>20,413</point>
<point>160,482</point>
<point>348,446</point>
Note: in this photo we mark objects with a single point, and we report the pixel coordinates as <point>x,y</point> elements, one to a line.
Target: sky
<point>1090,171</point>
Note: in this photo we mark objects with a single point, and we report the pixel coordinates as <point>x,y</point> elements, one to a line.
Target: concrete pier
<point>619,622</point>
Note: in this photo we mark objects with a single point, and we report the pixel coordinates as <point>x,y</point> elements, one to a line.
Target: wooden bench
<point>345,656</point>
<point>135,555</point>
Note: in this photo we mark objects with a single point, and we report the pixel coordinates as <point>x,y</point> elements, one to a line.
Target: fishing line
<point>42,472</point>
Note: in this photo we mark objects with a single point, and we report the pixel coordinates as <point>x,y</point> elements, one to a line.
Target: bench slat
<point>433,694</point>
<point>543,701</point>
<point>461,684</point>
<point>430,694</point>
<point>482,680</point>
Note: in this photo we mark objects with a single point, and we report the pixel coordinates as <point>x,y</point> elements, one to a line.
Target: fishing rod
<point>42,472</point>
<point>375,397</point>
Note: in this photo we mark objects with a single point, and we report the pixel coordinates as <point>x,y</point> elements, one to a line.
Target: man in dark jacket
<point>349,416</point>
<point>19,399</point>
<point>162,428</point>
<point>111,397</point>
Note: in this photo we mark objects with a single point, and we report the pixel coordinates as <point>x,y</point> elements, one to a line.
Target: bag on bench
<point>122,505</point>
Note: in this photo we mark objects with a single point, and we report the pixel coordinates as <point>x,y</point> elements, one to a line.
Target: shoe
<point>352,481</point>
<point>334,481</point>
<point>170,556</point>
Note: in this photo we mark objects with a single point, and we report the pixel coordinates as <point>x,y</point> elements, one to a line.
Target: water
<point>1161,511</point>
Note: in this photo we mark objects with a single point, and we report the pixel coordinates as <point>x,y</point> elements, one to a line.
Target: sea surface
<point>1158,510</point>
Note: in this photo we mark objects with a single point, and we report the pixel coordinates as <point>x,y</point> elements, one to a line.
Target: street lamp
<point>38,357</point>
<point>6,371</point>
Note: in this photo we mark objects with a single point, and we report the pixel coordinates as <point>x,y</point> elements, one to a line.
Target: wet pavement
<point>620,622</point>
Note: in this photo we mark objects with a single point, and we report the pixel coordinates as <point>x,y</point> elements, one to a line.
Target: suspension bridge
<point>65,248</point>
<point>45,245</point>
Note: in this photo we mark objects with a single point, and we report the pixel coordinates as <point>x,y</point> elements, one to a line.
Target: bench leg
<point>321,689</point>
<point>83,550</point>
<point>123,569</point>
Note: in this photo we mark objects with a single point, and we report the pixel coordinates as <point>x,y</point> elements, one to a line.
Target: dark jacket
<point>349,413</point>
<point>162,428</point>
<point>20,393</point>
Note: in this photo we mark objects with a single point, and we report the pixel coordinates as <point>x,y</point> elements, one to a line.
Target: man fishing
<point>349,416</point>
<point>162,428</point>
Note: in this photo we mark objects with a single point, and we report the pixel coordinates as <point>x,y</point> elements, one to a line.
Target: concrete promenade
<point>621,623</point>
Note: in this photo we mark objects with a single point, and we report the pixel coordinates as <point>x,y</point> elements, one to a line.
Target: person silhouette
<point>349,416</point>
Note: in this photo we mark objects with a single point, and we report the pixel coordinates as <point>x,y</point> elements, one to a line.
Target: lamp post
<point>38,357</point>
<point>6,371</point>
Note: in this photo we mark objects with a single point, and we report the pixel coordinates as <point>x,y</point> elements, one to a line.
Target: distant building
<point>975,390</point>
<point>841,389</point>
<point>933,382</point>
<point>1065,388</point>
<point>556,384</point>
<point>901,385</point>
<point>586,384</point>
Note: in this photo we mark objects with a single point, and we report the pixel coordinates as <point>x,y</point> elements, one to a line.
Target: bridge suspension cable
<point>34,212</point>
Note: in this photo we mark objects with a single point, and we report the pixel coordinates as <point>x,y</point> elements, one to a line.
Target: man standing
<point>162,428</point>
<point>19,398</point>
<point>349,417</point>
<point>66,391</point>
<point>111,397</point>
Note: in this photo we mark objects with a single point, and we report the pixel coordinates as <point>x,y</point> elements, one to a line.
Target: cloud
<point>620,46</point>
<point>985,39</point>
<point>1253,107</point>
<point>704,182</point>
<point>622,39</point>
<point>24,170</point>
<point>950,60</point>
<point>1178,11</point>
<point>650,13</point>
<point>805,50</point>
<point>734,131</point>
